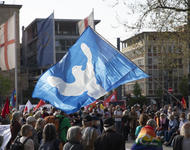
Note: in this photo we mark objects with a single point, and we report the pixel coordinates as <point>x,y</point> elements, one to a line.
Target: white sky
<point>75,9</point>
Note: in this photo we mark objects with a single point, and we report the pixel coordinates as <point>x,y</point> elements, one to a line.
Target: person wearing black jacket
<point>110,139</point>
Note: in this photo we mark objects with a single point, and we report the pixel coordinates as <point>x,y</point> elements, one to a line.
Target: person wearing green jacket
<point>64,125</point>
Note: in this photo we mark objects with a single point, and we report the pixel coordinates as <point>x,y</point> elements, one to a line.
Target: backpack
<point>17,145</point>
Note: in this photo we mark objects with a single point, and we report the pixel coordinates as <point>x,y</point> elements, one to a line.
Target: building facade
<point>162,56</point>
<point>66,34</point>
<point>6,11</point>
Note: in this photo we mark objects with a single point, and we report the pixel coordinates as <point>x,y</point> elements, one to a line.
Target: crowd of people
<point>100,128</point>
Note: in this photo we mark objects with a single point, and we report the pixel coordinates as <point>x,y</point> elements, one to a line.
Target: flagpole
<point>16,67</point>
<point>93,18</point>
<point>54,50</point>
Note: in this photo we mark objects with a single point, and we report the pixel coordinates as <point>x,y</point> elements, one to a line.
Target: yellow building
<point>163,56</point>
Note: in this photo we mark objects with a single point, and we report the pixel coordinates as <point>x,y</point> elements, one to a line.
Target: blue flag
<point>13,99</point>
<point>45,43</point>
<point>89,70</point>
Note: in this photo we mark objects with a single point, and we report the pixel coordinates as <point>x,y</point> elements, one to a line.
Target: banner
<point>6,133</point>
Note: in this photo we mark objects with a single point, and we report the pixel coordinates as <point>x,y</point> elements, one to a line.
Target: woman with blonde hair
<point>182,141</point>
<point>39,128</point>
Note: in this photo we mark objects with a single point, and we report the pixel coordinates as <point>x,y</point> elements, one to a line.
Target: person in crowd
<point>39,128</point>
<point>133,122</point>
<point>87,121</point>
<point>26,139</point>
<point>52,111</point>
<point>50,141</point>
<point>44,112</point>
<point>142,122</point>
<point>163,125</point>
<point>32,121</point>
<point>118,116</point>
<point>182,120</point>
<point>125,124</point>
<point>182,141</point>
<point>107,114</point>
<point>74,139</point>
<point>89,135</point>
<point>157,118</point>
<point>76,120</point>
<point>53,119</point>
<point>64,125</point>
<point>188,116</point>
<point>96,124</point>
<point>147,139</point>
<point>110,139</point>
<point>16,124</point>
<point>38,115</point>
<point>172,128</point>
<point>169,113</point>
<point>137,108</point>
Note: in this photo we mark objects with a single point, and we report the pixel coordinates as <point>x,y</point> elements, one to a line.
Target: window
<point>170,49</point>
<point>59,56</point>
<point>150,92</point>
<point>62,45</point>
<point>150,85</point>
<point>154,49</point>
<point>149,49</point>
<point>159,49</point>
<point>180,61</point>
<point>149,60</point>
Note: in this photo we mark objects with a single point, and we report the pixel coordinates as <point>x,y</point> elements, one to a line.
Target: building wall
<point>6,11</point>
<point>159,55</point>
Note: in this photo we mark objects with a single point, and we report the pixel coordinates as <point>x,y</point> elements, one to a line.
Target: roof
<point>60,20</point>
<point>10,6</point>
<point>149,33</point>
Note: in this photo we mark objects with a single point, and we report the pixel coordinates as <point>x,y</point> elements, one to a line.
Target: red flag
<point>183,103</point>
<point>91,106</point>
<point>41,103</point>
<point>5,109</point>
<point>111,98</point>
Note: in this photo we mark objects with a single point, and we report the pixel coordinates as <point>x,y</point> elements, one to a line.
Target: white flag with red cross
<point>88,21</point>
<point>7,44</point>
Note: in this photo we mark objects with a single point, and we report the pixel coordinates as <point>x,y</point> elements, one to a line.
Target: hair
<point>49,132</point>
<point>152,123</point>
<point>88,138</point>
<point>188,116</point>
<point>143,119</point>
<point>72,133</point>
<point>16,116</point>
<point>26,129</point>
<point>37,115</point>
<point>182,115</point>
<point>125,112</point>
<point>39,124</point>
<point>171,116</point>
<point>185,130</point>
